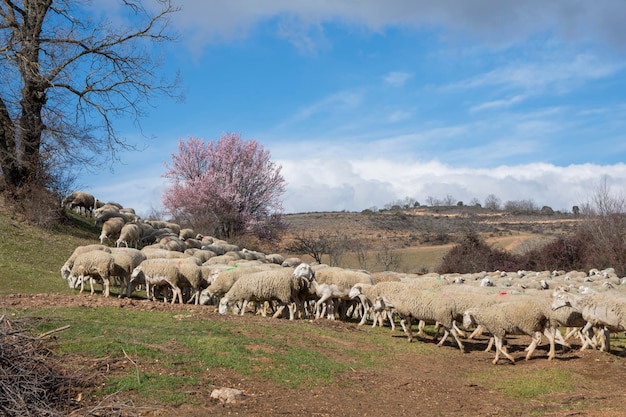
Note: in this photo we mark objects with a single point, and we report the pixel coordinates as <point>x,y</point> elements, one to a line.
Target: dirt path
<point>415,385</point>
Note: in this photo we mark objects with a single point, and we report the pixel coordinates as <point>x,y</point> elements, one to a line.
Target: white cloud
<point>495,21</point>
<point>397,78</point>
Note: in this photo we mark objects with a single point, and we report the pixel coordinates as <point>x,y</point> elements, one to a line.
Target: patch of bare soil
<point>415,385</point>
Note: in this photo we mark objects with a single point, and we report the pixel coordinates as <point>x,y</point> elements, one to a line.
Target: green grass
<point>188,349</point>
<point>526,383</point>
<point>31,258</point>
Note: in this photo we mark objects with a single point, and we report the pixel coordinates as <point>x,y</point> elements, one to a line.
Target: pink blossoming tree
<point>226,188</point>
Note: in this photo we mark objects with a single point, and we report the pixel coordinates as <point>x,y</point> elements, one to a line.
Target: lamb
<point>96,265</point>
<point>157,273</point>
<point>186,234</point>
<point>367,294</point>
<point>67,266</point>
<point>130,233</point>
<point>526,316</point>
<point>111,227</point>
<point>80,199</point>
<point>334,284</point>
<point>281,285</point>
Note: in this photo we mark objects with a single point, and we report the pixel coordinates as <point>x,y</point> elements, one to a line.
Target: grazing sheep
<point>280,285</point>
<point>102,218</point>
<point>98,265</point>
<point>67,266</point>
<point>128,259</point>
<point>224,281</point>
<point>275,258</point>
<point>111,228</point>
<point>186,234</point>
<point>158,252</point>
<point>203,255</point>
<point>157,273</point>
<point>193,274</point>
<point>130,233</point>
<point>80,199</point>
<point>522,317</point>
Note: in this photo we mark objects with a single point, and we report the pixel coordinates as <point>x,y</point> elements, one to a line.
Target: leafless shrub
<point>31,381</point>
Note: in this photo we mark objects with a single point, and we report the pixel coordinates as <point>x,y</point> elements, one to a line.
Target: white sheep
<point>522,317</point>
<point>280,285</point>
<point>80,199</point>
<point>332,287</point>
<point>128,259</point>
<point>426,305</point>
<point>98,265</point>
<point>598,309</point>
<point>67,266</point>
<point>130,233</point>
<point>223,282</point>
<point>193,274</point>
<point>111,228</point>
<point>157,273</point>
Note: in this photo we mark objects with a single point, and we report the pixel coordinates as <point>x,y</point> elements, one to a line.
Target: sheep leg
<point>536,338</point>
<point>489,345</point>
<point>499,349</point>
<point>477,332</point>
<point>420,329</point>
<point>409,330</point>
<point>551,335</point>
<point>279,311</point>
<point>178,293</point>
<point>244,304</point>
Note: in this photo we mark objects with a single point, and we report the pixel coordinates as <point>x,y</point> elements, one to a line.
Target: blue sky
<point>367,102</point>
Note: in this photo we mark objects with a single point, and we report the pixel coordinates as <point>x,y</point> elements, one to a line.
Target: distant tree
<point>65,79</point>
<point>474,202</point>
<point>388,258</point>
<point>459,204</point>
<point>576,210</point>
<point>492,202</point>
<point>314,246</point>
<point>547,210</point>
<point>228,187</point>
<point>449,200</point>
<point>432,201</point>
<point>527,206</point>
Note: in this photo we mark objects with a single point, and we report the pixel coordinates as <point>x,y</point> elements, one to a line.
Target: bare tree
<point>315,246</point>
<point>389,259</point>
<point>65,79</point>
<point>492,202</point>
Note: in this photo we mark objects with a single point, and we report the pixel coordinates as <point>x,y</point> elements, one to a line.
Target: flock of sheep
<point>177,264</point>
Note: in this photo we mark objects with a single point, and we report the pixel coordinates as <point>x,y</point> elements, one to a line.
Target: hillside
<point>153,358</point>
<point>421,236</point>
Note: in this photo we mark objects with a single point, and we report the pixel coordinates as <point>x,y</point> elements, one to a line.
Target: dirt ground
<point>415,385</point>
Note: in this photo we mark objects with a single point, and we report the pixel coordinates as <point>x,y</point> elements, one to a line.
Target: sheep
<point>158,252</point>
<point>193,274</point>
<point>67,266</point>
<point>111,227</point>
<point>429,306</point>
<point>157,273</point>
<point>526,316</point>
<point>368,293</point>
<point>130,233</point>
<point>334,284</point>
<point>102,218</point>
<point>598,309</point>
<point>224,281</point>
<point>96,265</point>
<point>275,258</point>
<point>281,285</point>
<point>80,199</point>
<point>173,244</point>
<point>184,234</point>
<point>203,255</point>
<point>128,259</point>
